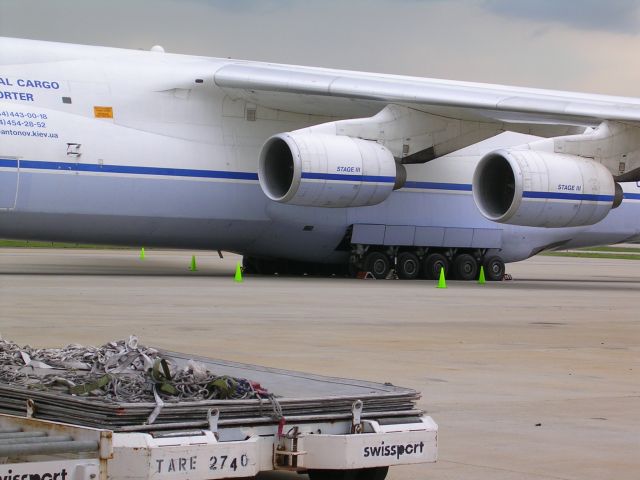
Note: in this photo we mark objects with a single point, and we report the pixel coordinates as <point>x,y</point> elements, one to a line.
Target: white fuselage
<point>142,148</point>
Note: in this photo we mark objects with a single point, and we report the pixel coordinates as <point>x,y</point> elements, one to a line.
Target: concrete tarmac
<point>535,378</point>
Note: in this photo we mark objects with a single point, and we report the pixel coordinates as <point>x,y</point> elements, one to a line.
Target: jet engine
<point>322,170</point>
<point>543,189</point>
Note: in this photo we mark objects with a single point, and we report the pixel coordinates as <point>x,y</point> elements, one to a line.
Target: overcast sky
<point>586,45</point>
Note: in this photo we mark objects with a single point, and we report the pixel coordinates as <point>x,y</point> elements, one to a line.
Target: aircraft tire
<point>378,264</point>
<point>293,268</point>
<point>494,268</point>
<point>248,265</point>
<point>465,267</point>
<point>352,270</point>
<point>432,264</point>
<point>266,267</point>
<point>408,266</point>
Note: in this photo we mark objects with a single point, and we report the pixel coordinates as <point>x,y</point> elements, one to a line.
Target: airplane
<point>303,169</point>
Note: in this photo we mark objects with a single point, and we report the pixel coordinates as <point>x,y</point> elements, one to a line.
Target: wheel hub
<point>411,267</point>
<point>379,267</point>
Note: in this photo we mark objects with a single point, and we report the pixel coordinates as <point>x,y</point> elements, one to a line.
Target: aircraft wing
<point>306,90</point>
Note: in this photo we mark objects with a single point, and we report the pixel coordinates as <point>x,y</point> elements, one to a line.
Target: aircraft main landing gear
<point>425,262</point>
<point>458,264</point>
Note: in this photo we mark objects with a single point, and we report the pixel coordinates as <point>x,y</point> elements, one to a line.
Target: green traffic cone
<point>481,279</point>
<point>142,253</point>
<point>442,283</point>
<point>193,267</point>
<point>238,277</point>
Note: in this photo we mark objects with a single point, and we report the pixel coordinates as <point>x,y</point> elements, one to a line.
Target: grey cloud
<point>457,39</point>
<point>241,6</point>
<point>621,16</point>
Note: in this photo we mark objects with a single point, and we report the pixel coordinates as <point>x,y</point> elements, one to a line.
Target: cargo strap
<point>86,388</point>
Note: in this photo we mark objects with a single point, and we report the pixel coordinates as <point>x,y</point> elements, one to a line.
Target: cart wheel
<point>333,474</point>
<point>378,473</point>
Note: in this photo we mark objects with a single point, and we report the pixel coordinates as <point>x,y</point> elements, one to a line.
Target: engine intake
<point>327,170</point>
<point>543,189</point>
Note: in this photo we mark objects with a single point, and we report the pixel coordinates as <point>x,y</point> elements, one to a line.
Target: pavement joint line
<point>500,469</point>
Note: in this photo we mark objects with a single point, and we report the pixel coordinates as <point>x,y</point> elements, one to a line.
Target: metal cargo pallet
<point>300,396</point>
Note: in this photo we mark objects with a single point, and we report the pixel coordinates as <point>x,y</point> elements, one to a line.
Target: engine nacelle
<point>543,189</point>
<point>327,170</point>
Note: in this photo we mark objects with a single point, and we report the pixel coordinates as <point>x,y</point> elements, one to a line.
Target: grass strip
<point>37,244</point>
<point>611,249</point>
<point>613,256</point>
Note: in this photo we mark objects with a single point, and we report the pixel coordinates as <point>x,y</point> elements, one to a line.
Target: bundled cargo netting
<point>125,386</point>
<point>119,371</point>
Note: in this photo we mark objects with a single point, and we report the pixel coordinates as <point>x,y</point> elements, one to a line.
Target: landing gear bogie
<point>409,264</point>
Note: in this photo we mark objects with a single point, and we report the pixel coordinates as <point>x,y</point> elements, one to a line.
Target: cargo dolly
<point>322,426</point>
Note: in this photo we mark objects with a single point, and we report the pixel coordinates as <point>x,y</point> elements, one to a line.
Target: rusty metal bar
<point>48,448</point>
<point>33,440</point>
<point>19,435</point>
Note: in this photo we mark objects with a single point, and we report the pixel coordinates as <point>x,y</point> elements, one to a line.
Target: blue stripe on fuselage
<point>461,187</point>
<point>8,163</point>
<point>220,174</point>
<point>129,169</point>
<point>178,172</point>
<point>632,196</point>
